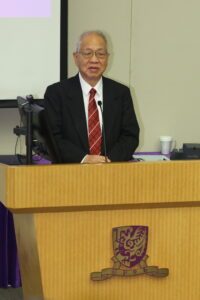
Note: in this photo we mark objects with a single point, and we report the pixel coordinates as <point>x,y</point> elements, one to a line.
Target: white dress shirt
<point>86,95</point>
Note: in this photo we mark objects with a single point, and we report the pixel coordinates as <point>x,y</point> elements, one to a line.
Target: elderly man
<point>73,106</point>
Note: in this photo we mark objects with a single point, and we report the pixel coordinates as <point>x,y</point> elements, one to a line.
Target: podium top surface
<point>74,187</point>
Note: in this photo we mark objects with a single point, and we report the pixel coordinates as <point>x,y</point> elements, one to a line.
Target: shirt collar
<point>86,87</point>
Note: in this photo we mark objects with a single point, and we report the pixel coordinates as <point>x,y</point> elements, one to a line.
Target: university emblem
<point>130,246</point>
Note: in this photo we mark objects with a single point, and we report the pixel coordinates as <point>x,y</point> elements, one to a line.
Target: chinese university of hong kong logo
<point>129,246</point>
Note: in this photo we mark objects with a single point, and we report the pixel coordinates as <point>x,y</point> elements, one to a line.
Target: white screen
<point>29,47</point>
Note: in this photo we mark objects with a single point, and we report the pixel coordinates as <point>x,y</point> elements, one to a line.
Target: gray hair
<point>84,34</point>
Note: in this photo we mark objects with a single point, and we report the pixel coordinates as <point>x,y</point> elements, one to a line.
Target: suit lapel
<point>77,110</point>
<point>109,102</point>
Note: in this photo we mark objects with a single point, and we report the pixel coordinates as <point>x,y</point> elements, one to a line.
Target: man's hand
<point>95,159</point>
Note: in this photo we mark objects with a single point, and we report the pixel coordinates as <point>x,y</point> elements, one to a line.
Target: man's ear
<point>75,56</point>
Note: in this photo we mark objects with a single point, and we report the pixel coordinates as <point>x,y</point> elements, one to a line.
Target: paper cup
<point>165,144</point>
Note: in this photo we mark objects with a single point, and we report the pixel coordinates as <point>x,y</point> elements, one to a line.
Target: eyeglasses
<point>90,53</point>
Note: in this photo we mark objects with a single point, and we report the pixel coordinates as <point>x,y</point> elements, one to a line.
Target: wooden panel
<point>94,199</point>
<point>72,245</point>
<point>73,186</point>
<point>27,245</point>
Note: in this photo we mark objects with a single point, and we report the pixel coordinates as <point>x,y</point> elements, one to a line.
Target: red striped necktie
<point>94,129</point>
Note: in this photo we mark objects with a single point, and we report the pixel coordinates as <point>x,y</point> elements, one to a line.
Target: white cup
<point>165,144</point>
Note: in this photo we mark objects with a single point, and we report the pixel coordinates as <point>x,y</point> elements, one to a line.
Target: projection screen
<point>33,51</point>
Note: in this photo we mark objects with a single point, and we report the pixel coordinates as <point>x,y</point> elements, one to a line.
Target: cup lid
<point>165,138</point>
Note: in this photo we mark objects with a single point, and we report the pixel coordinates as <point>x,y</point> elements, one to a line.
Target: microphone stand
<point>103,131</point>
<point>29,134</point>
<point>29,114</point>
<point>25,105</point>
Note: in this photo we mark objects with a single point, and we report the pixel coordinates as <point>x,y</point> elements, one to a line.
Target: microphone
<point>30,98</point>
<point>103,130</point>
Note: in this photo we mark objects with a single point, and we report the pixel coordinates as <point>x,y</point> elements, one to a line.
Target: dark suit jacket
<point>64,107</point>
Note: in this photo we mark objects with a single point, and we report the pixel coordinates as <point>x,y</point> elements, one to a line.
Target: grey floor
<point>11,294</point>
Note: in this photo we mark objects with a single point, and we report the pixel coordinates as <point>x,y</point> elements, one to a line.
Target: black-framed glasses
<point>101,54</point>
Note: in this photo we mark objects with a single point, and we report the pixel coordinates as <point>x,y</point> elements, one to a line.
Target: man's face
<point>91,65</point>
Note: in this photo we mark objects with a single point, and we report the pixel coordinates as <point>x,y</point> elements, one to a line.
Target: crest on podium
<point>129,247</point>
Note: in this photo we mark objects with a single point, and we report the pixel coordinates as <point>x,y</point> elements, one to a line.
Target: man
<point>74,113</point>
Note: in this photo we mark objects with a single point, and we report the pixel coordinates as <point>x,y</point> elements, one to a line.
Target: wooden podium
<point>64,215</point>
